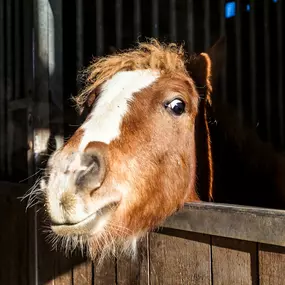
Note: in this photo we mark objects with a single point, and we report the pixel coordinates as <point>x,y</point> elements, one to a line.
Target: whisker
<point>30,176</point>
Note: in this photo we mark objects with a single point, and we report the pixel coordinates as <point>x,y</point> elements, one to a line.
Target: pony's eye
<point>177,106</point>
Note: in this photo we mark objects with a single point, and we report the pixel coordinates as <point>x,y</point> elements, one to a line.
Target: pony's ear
<point>200,70</point>
<point>206,67</point>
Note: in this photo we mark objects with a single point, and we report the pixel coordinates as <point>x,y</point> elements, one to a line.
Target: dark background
<point>252,82</point>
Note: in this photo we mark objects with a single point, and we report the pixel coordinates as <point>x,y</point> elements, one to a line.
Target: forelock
<point>164,58</point>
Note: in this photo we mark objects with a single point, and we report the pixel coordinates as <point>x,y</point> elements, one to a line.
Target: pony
<point>148,145</point>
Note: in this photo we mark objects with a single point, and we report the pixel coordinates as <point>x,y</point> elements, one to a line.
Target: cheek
<point>154,175</point>
<point>154,191</point>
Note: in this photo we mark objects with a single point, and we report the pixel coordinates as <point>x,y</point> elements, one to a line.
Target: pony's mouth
<point>89,226</point>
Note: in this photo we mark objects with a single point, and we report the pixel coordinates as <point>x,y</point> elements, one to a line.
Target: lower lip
<point>86,227</point>
<point>82,228</point>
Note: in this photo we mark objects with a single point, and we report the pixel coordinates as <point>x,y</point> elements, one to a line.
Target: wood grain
<point>234,262</point>
<point>133,271</point>
<point>82,273</point>
<point>183,258</point>
<point>271,265</point>
<point>105,274</point>
<point>14,265</point>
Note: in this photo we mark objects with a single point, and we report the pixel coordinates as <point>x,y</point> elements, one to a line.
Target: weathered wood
<point>79,37</point>
<point>172,20</point>
<point>55,40</point>
<point>233,261</point>
<point>155,18</point>
<point>2,93</point>
<point>54,268</point>
<point>271,265</point>
<point>267,76</point>
<point>82,273</point>
<point>44,258</point>
<point>137,18</point>
<point>105,274</point>
<point>190,25</point>
<point>28,90</point>
<point>119,23</point>
<point>18,146</point>
<point>132,271</point>
<point>280,45</point>
<point>19,104</point>
<point>239,222</point>
<point>18,55</point>
<point>99,28</point>
<point>13,242</point>
<point>63,271</point>
<point>42,69</point>
<point>9,82</point>
<point>182,258</point>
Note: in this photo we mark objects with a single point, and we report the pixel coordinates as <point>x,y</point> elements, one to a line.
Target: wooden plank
<point>280,45</point>
<point>182,258</point>
<point>13,242</point>
<point>155,18</point>
<point>172,20</point>
<point>79,37</point>
<point>44,259</point>
<point>239,63</point>
<point>82,273</point>
<point>63,274</point>
<point>240,222</point>
<point>42,10</point>
<point>271,265</point>
<point>55,20</point>
<point>234,262</point>
<point>105,273</point>
<point>137,19</point>
<point>54,267</point>
<point>267,76</point>
<point>18,146</point>
<point>9,83</point>
<point>253,67</point>
<point>19,104</point>
<point>28,90</point>
<point>119,23</point>
<point>134,270</point>
<point>2,93</point>
<point>190,25</point>
<point>99,28</point>
<point>18,45</point>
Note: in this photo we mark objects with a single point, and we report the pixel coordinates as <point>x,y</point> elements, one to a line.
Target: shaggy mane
<point>147,55</point>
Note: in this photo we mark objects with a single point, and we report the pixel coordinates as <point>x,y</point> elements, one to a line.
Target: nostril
<point>89,159</point>
<point>92,171</point>
<point>90,166</point>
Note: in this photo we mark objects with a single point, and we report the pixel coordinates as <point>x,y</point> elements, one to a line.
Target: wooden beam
<point>224,220</point>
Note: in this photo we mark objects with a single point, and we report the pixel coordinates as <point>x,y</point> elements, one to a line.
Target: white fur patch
<point>105,120</point>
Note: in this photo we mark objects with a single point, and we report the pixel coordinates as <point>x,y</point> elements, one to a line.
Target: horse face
<point>131,163</point>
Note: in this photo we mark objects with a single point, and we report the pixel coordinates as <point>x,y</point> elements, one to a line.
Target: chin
<point>99,235</point>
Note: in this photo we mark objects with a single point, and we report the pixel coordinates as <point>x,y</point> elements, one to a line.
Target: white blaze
<point>105,119</point>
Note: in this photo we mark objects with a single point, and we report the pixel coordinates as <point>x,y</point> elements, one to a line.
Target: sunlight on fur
<point>153,55</point>
<point>102,246</point>
<point>138,213</point>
